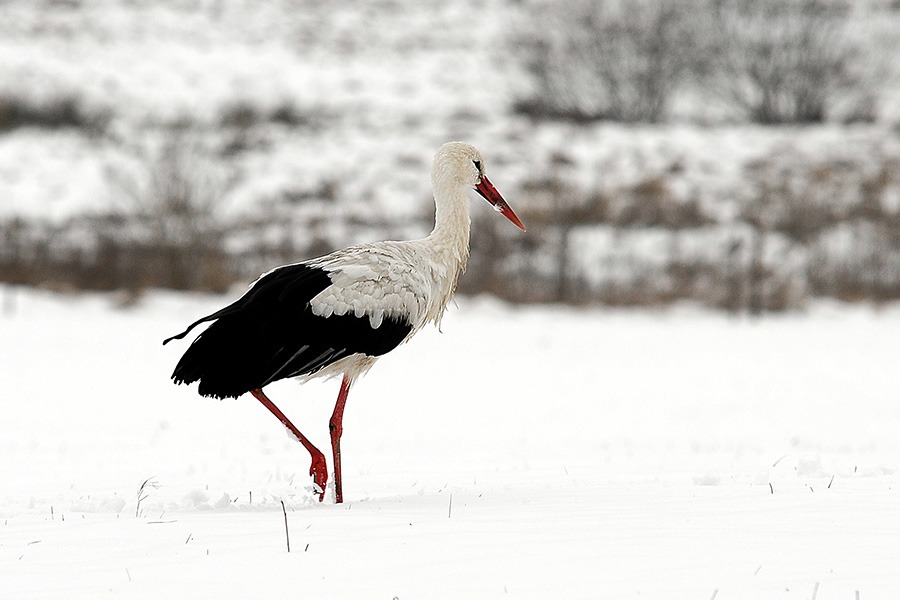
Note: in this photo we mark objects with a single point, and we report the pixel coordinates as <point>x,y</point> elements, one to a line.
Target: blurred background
<point>739,154</point>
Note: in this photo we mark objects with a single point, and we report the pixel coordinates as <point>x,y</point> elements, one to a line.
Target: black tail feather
<point>221,359</point>
<point>215,315</point>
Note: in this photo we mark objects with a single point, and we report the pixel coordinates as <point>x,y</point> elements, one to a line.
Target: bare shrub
<point>244,114</point>
<point>172,230</point>
<point>553,211</point>
<point>240,119</point>
<point>806,227</point>
<point>606,60</point>
<point>56,112</point>
<point>241,114</point>
<point>840,215</point>
<point>784,61</point>
<point>615,268</point>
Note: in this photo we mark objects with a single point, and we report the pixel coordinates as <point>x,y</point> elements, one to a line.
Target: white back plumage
<point>412,280</point>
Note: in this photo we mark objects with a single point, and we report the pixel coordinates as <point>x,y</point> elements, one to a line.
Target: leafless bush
<point>244,114</point>
<point>169,231</point>
<point>172,229</point>
<point>552,265</point>
<point>772,61</point>
<point>553,211</point>
<point>606,60</point>
<point>241,119</point>
<point>784,61</point>
<point>805,228</point>
<point>847,216</point>
<point>55,112</point>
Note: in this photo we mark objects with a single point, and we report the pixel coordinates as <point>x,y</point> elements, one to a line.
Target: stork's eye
<point>477,164</point>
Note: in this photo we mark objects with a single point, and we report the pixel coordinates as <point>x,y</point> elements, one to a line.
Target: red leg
<point>318,469</point>
<point>336,426</point>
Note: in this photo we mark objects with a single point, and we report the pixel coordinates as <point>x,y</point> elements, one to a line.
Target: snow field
<point>596,454</point>
<point>601,541</point>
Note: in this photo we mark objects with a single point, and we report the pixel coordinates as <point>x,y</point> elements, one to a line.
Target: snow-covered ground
<point>523,453</point>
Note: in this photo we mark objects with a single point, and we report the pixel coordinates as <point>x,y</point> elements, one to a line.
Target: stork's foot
<point>319,472</point>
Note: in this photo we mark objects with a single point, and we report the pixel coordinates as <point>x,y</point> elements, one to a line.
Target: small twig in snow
<point>188,538</point>
<point>450,506</point>
<point>815,591</point>
<point>287,536</point>
<point>142,494</point>
<point>830,482</point>
<point>757,569</point>
<point>771,489</point>
<point>129,574</point>
<point>775,464</point>
<point>715,593</point>
<point>162,522</point>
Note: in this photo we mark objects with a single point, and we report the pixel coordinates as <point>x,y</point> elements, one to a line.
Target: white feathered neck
<point>449,240</point>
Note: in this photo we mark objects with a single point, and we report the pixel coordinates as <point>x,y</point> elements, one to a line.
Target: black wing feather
<point>270,333</point>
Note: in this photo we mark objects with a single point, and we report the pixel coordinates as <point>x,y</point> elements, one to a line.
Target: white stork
<point>335,315</point>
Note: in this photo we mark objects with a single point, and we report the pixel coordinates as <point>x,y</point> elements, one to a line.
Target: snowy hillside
<point>290,94</point>
<point>302,126</point>
<point>366,88</point>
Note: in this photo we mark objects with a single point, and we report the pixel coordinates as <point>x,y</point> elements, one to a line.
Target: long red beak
<point>490,193</point>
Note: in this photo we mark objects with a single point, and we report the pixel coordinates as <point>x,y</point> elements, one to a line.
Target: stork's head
<point>458,164</point>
